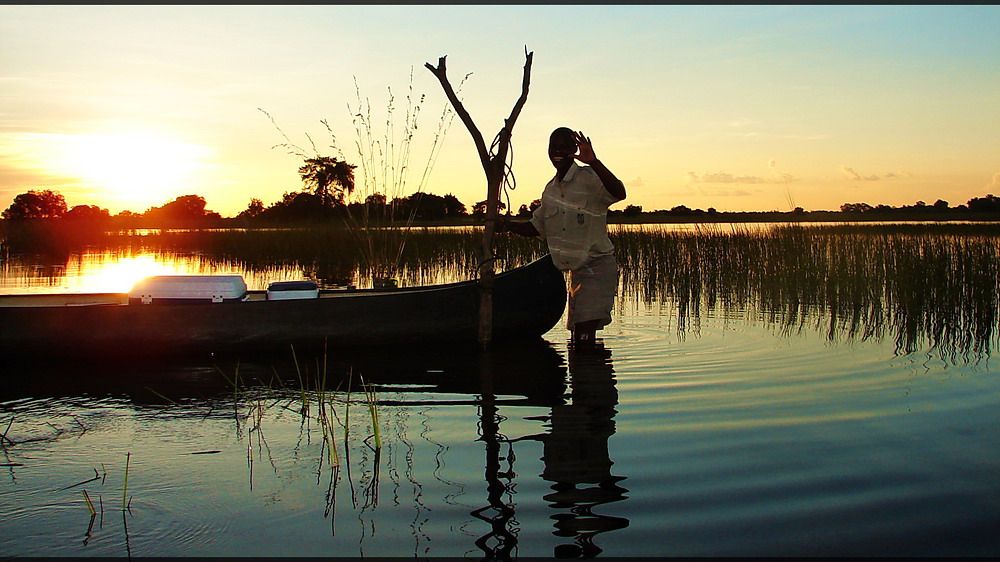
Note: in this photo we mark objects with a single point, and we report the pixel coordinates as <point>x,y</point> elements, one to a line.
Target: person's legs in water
<point>591,297</point>
<point>584,333</point>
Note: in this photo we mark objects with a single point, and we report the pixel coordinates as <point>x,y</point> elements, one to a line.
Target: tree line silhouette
<point>304,207</point>
<point>329,182</point>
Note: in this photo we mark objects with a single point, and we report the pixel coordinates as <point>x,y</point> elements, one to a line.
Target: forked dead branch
<point>494,161</point>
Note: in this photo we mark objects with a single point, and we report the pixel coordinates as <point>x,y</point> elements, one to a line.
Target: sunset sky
<point>733,107</point>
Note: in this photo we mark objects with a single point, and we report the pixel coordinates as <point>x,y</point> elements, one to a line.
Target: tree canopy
<point>46,204</point>
<point>329,179</point>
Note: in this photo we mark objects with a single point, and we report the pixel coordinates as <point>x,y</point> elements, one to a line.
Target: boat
<point>527,303</point>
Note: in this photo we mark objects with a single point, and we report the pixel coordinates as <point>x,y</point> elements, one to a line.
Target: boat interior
<point>98,299</point>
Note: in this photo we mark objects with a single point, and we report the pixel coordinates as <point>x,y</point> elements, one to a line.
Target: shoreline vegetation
<point>298,209</point>
<point>321,239</point>
<point>214,221</point>
<point>928,285</point>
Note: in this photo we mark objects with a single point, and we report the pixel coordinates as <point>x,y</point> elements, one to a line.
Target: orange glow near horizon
<point>130,170</point>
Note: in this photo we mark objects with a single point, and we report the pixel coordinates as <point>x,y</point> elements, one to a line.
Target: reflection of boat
<point>533,374</point>
<point>527,302</point>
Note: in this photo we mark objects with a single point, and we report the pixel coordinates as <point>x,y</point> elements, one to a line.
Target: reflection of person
<point>573,221</point>
<point>576,455</point>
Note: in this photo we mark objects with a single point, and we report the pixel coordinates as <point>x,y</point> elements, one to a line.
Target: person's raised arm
<point>586,155</point>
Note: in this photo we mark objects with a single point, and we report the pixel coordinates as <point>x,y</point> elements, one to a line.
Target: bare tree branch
<point>503,142</point>
<point>441,73</point>
<point>525,81</point>
<point>494,166</point>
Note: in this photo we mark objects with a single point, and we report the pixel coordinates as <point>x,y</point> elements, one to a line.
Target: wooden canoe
<point>527,302</point>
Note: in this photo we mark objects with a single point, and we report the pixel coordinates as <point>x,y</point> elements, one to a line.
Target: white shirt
<point>573,217</point>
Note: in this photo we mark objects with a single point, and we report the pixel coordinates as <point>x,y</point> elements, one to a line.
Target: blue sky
<point>732,107</point>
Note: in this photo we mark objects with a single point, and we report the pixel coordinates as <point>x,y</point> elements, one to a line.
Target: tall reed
<point>925,287</point>
<point>375,226</point>
<point>382,229</point>
<point>90,504</point>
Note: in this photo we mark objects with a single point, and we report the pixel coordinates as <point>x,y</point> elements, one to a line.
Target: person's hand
<point>586,150</point>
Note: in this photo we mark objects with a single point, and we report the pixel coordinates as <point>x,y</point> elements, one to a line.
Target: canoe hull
<point>528,301</point>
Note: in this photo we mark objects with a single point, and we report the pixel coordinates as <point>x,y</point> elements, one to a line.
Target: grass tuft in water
<point>90,504</point>
<point>128,458</point>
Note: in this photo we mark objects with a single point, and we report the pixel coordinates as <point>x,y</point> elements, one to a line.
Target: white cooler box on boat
<point>178,289</point>
<point>288,290</point>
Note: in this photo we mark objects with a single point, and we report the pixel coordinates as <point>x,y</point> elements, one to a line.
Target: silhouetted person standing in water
<point>573,221</point>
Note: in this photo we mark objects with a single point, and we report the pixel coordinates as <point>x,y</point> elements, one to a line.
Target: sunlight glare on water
<point>97,276</point>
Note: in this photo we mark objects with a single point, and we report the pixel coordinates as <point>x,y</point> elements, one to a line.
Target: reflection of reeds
<point>371,400</point>
<point>316,389</point>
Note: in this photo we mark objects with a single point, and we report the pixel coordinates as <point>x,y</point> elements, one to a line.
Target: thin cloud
<point>745,135</point>
<point>995,183</point>
<point>806,137</point>
<point>726,177</point>
<point>779,176</point>
<point>853,175</point>
<point>723,177</point>
<point>726,192</point>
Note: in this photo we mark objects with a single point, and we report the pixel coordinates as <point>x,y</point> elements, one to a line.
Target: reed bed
<point>330,253</point>
<point>927,287</point>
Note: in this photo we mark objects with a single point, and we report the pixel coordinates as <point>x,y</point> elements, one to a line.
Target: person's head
<point>562,147</point>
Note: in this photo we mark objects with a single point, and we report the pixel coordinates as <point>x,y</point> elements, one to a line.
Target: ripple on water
<point>734,434</point>
<point>743,374</point>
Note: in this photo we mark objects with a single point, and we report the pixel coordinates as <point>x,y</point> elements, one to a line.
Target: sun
<point>130,170</point>
<point>135,169</point>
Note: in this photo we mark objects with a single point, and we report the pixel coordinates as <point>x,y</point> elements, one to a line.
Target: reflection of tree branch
<point>497,513</point>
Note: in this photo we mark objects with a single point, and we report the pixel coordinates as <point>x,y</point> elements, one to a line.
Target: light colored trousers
<point>592,289</point>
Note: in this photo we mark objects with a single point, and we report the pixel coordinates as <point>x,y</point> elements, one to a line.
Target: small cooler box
<point>184,289</point>
<point>288,290</point>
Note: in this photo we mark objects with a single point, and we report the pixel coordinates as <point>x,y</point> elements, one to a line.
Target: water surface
<point>807,405</point>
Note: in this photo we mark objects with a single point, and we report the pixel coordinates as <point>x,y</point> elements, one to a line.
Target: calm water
<point>793,406</point>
